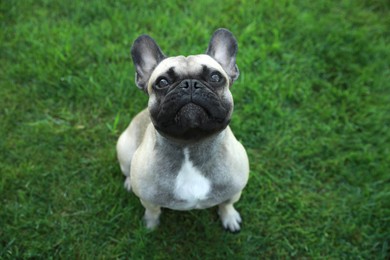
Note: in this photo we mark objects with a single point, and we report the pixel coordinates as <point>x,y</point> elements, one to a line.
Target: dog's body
<point>180,152</point>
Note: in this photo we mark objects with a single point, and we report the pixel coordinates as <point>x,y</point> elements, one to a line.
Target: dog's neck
<point>205,144</point>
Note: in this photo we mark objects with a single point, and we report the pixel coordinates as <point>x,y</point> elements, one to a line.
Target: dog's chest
<point>191,187</point>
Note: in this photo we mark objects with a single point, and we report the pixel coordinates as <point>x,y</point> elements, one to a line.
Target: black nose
<point>190,84</point>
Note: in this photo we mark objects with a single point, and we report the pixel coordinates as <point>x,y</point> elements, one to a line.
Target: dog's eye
<point>162,83</point>
<point>215,77</point>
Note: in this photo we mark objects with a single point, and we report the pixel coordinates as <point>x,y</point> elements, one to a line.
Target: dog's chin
<point>191,123</point>
<point>191,116</point>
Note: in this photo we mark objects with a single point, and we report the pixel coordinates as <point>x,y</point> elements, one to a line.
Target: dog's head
<point>189,97</point>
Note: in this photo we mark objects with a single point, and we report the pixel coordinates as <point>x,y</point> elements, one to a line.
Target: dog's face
<point>189,97</point>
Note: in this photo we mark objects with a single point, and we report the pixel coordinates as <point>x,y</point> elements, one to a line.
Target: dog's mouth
<point>191,122</point>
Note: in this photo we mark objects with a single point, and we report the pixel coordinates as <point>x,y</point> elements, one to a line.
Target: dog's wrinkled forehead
<point>185,66</point>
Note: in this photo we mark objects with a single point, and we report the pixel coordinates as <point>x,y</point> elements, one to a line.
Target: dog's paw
<point>128,184</point>
<point>151,221</point>
<point>231,219</point>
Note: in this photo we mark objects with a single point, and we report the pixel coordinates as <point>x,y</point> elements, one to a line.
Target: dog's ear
<point>146,56</point>
<point>223,48</point>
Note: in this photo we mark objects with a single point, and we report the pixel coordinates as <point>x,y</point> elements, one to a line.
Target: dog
<point>179,152</point>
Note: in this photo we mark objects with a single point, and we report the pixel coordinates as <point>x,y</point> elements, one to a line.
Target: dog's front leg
<point>152,214</point>
<point>230,217</point>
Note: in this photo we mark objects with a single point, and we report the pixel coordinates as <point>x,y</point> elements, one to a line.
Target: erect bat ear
<point>223,48</point>
<point>146,56</point>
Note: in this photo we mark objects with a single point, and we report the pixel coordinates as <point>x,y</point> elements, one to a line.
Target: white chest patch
<point>190,185</point>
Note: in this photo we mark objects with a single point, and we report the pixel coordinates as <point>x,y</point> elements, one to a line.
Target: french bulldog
<point>180,152</point>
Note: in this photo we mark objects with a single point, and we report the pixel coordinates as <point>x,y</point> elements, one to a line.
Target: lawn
<point>312,107</point>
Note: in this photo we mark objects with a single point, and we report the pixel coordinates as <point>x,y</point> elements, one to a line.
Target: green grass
<point>312,107</point>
